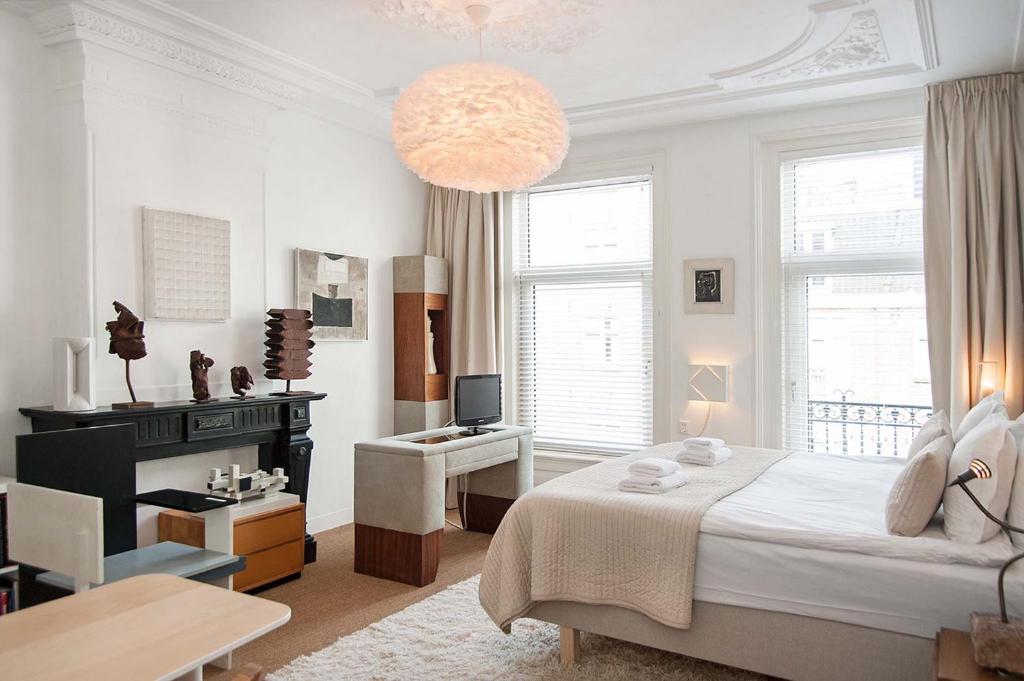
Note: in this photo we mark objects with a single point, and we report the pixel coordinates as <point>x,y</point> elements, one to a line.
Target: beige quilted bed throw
<point>578,538</point>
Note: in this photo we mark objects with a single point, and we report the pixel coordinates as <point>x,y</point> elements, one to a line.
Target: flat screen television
<point>477,401</point>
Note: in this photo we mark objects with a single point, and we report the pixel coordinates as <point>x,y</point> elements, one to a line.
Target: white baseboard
<point>328,521</point>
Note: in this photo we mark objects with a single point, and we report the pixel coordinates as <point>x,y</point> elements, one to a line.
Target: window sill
<point>565,462</point>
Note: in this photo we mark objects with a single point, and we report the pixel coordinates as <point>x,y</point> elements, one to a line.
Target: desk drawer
<point>270,564</point>
<point>266,530</point>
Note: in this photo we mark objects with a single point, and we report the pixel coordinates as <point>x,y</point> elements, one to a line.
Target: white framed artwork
<point>187,266</point>
<point>709,286</point>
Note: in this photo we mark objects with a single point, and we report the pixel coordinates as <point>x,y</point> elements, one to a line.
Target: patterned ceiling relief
<point>860,45</point>
<point>521,25</point>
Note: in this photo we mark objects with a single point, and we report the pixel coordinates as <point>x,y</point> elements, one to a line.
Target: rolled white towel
<point>711,458</point>
<point>653,466</point>
<point>703,443</point>
<point>653,485</point>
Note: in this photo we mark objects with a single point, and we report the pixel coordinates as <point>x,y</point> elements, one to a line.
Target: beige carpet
<point>448,636</point>
<point>331,601</point>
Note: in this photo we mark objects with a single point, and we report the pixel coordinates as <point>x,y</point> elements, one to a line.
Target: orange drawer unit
<point>271,541</point>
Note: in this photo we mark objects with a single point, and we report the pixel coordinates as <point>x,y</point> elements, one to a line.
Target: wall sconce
<point>708,383</point>
<point>988,378</point>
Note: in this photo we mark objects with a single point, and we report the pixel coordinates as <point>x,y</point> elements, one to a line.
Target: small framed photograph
<point>709,286</point>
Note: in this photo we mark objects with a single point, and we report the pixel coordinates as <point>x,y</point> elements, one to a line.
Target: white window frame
<point>771,152</point>
<point>652,163</point>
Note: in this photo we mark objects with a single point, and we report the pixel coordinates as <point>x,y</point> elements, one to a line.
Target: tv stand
<point>399,494</point>
<point>474,430</point>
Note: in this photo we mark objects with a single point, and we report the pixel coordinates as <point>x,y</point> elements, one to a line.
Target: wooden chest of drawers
<point>272,541</point>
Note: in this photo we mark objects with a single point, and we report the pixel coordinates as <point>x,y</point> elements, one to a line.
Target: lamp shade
<point>988,378</point>
<point>481,127</point>
<point>709,383</point>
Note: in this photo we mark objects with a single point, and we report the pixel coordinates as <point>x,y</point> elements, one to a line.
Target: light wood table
<point>151,627</point>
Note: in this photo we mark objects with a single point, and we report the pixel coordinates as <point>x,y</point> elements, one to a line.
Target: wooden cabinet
<point>421,343</point>
<point>272,541</point>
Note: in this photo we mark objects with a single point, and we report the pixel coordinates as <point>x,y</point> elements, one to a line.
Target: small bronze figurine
<point>241,382</point>
<point>199,365</point>
<point>127,341</point>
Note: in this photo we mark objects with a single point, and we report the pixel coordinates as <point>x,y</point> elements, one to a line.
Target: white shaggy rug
<point>448,636</point>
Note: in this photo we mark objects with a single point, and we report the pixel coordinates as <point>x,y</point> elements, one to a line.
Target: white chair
<point>56,530</point>
<point>63,532</point>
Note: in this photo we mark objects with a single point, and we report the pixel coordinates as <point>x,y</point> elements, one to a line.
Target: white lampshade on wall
<point>988,378</point>
<point>709,383</point>
<point>481,127</point>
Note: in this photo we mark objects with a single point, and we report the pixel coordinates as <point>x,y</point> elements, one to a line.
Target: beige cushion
<point>934,428</point>
<point>1015,512</point>
<point>991,442</point>
<point>993,404</point>
<point>917,492</point>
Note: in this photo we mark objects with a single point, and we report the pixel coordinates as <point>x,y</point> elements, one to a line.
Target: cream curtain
<point>464,228</point>
<point>973,195</point>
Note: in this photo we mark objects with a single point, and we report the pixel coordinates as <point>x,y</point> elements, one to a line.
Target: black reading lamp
<point>996,644</point>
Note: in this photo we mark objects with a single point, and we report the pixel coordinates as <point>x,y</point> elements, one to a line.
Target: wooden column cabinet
<point>421,335</point>
<point>271,541</point>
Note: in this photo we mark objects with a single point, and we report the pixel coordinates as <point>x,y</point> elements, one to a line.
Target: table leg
<point>220,536</point>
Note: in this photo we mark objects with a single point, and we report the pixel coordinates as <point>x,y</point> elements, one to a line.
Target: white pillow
<point>993,404</point>
<point>934,428</point>
<point>1015,512</point>
<point>991,442</point>
<point>917,491</point>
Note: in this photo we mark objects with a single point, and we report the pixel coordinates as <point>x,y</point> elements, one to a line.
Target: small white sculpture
<point>431,363</point>
<point>74,387</point>
<point>234,485</point>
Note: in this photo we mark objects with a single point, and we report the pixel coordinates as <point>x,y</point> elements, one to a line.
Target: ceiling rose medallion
<point>479,126</point>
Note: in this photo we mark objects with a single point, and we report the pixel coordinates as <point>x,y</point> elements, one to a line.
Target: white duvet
<point>837,503</point>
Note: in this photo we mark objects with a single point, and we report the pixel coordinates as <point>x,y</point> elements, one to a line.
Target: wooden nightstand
<point>954,659</point>
<point>268,532</point>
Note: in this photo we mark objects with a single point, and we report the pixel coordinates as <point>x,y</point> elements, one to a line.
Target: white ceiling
<point>645,62</point>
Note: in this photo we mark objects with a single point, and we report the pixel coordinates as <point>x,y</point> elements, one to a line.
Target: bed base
<point>793,647</point>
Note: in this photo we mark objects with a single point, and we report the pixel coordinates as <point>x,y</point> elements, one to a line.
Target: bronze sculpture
<point>127,341</point>
<point>199,366</point>
<point>241,383</point>
<point>289,346</point>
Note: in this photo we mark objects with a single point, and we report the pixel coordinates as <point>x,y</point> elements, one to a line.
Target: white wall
<point>27,111</point>
<point>711,207</point>
<point>334,190</point>
<point>141,135</point>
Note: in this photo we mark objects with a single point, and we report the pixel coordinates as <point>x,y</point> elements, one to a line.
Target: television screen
<point>477,399</point>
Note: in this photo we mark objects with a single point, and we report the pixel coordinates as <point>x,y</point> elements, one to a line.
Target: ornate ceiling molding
<point>521,25</point>
<point>859,46</point>
<point>74,21</point>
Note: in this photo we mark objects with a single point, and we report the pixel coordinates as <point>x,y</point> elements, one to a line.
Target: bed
<point>795,575</point>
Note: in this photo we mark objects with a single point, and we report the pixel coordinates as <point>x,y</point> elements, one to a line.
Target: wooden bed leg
<point>569,639</point>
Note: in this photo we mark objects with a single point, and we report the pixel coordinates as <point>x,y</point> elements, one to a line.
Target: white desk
<point>147,628</point>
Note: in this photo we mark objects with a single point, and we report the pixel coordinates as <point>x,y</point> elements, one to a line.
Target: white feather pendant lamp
<point>481,127</point>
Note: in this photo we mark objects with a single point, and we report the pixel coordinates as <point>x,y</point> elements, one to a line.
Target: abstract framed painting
<point>334,288</point>
<point>708,286</point>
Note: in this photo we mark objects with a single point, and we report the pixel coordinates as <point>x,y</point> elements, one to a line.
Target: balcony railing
<point>858,428</point>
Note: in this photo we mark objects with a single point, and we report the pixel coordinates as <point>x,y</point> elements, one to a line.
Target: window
<point>583,271</point>
<point>853,309</point>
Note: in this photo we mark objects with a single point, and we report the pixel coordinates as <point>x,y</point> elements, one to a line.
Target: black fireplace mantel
<point>278,424</point>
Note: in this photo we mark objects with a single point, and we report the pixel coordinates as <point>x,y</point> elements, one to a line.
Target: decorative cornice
<point>859,46</point>
<point>193,117</point>
<point>74,21</point>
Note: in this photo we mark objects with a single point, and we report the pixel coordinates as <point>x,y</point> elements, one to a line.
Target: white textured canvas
<point>187,266</point>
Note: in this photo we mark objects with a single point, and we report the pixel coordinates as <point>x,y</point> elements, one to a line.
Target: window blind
<point>854,339</point>
<point>583,269</point>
